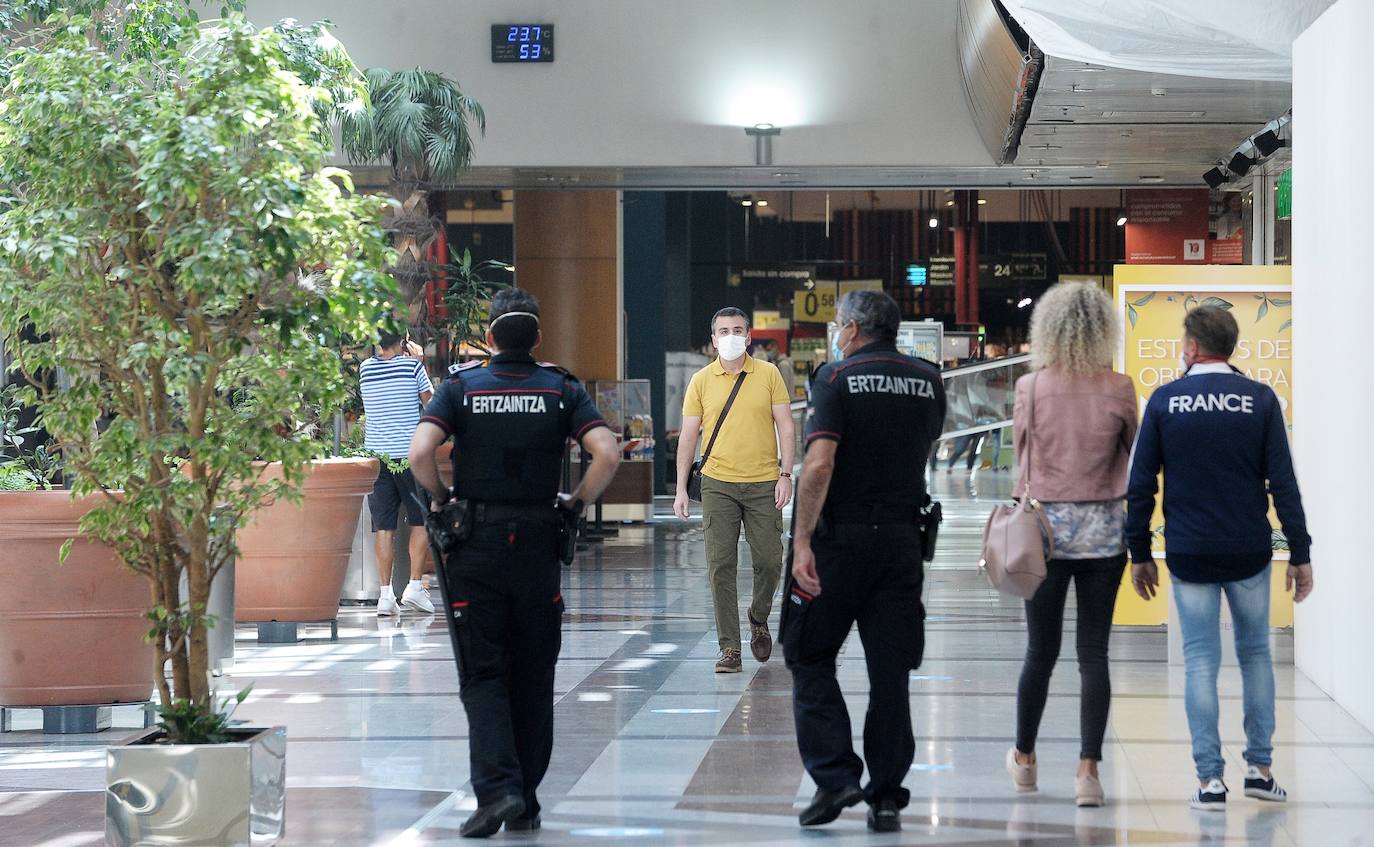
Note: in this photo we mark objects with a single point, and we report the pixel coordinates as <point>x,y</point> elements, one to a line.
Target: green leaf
<point>65,551</point>
<point>1131,315</point>
<point>1143,301</point>
<point>1286,325</point>
<point>1263,310</point>
<point>1280,303</point>
<point>1218,302</point>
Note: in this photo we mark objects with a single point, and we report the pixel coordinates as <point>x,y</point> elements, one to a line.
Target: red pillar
<point>966,257</point>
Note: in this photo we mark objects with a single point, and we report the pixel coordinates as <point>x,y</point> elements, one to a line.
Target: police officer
<point>857,556</point>
<point>510,420</point>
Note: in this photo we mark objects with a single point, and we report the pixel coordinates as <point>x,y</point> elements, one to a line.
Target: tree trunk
<point>413,231</point>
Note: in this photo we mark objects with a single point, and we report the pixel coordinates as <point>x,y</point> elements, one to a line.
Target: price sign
<point>815,305</point>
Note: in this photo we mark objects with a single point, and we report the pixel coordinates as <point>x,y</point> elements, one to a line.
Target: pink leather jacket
<point>1084,428</point>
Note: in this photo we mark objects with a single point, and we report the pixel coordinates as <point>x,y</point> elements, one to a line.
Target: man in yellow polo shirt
<point>745,481</point>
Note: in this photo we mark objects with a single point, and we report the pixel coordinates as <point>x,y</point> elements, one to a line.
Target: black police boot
<point>826,805</point>
<point>487,820</point>
<point>524,824</point>
<point>884,816</point>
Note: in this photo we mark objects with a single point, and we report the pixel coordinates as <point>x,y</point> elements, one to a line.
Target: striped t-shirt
<point>391,391</point>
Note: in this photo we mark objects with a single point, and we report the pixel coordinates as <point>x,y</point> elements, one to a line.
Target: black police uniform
<point>510,421</point>
<point>885,409</point>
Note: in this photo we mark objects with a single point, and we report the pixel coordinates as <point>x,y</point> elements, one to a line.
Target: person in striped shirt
<point>394,387</point>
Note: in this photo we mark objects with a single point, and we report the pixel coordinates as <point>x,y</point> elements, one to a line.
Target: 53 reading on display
<point>522,42</point>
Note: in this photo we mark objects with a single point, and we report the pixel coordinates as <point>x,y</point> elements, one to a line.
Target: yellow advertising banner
<point>1153,300</point>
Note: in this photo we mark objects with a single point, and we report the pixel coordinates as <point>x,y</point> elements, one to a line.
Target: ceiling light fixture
<point>1268,142</point>
<point>762,203</point>
<point>1215,178</point>
<point>982,201</point>
<point>746,202</point>
<point>1240,164</point>
<point>1121,221</point>
<point>763,135</point>
<point>934,222</point>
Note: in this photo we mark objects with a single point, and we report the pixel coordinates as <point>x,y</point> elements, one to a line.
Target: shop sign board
<point>1153,300</point>
<point>816,304</point>
<point>1012,268</point>
<point>941,270</point>
<point>923,339</point>
<point>1166,226</point>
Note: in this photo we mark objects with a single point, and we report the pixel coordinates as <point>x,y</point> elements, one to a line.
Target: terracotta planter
<point>293,557</point>
<point>70,634</point>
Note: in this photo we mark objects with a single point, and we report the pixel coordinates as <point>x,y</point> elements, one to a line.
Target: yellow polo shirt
<point>747,449</point>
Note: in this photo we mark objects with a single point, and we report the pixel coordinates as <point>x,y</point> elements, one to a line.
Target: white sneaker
<point>1212,798</point>
<point>386,604</point>
<point>416,597</point>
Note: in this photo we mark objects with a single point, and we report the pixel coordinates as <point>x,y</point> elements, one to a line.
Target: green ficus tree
<point>171,236</point>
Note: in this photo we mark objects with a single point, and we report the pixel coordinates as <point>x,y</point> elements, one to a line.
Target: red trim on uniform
<point>437,422</point>
<point>802,594</point>
<point>835,372</point>
<point>589,427</point>
<point>558,596</point>
<point>518,391</point>
<point>461,604</point>
<point>833,436</point>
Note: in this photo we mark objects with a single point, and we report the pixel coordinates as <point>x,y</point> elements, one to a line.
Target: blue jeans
<point>1199,615</point>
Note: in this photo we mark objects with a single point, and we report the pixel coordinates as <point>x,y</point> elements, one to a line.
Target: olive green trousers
<point>725,507</point>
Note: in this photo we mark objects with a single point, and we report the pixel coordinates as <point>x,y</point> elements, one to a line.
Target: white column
<point>1333,307</point>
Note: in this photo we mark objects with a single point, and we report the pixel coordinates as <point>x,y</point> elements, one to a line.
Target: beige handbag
<point>1018,540</point>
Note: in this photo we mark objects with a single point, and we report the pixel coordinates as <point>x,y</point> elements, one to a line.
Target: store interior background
<point>685,254</point>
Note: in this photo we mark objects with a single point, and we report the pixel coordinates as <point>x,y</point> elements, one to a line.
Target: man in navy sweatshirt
<point>1221,441</point>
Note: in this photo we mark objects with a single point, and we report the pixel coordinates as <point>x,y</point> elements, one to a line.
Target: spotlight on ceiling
<point>763,135</point>
<point>1121,221</point>
<point>1240,163</point>
<point>1215,178</point>
<point>746,202</point>
<point>1025,301</point>
<point>982,201</point>
<point>1268,143</point>
<point>762,203</point>
<point>934,222</point>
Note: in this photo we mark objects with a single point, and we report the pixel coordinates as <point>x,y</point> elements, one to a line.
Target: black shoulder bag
<point>694,478</point>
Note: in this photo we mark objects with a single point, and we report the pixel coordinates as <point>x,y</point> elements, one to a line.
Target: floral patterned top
<point>1090,530</point>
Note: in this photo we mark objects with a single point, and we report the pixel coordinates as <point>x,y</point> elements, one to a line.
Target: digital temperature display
<point>522,42</point>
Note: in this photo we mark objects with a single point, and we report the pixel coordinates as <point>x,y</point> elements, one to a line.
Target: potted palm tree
<point>420,124</point>
<point>172,239</point>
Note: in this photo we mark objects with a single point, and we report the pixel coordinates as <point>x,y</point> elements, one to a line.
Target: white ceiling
<point>655,95</point>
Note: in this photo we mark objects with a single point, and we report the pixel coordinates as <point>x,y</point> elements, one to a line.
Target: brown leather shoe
<point>760,640</point>
<point>729,662</point>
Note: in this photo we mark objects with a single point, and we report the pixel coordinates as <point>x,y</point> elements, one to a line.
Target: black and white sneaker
<point>1260,787</point>
<point>1212,798</point>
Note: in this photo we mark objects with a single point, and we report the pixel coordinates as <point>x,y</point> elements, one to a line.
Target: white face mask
<point>731,347</point>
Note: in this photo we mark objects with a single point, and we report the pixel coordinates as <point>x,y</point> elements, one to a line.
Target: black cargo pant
<point>508,575</point>
<point>872,575</point>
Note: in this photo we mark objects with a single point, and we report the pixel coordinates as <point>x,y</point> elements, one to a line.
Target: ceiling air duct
<point>1000,68</point>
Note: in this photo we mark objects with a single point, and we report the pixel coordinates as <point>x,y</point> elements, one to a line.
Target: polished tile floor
<point>654,749</point>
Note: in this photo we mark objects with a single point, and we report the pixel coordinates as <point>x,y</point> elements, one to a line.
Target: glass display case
<point>626,405</point>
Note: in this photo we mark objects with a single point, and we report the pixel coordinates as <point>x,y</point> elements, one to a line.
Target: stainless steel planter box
<point>197,794</point>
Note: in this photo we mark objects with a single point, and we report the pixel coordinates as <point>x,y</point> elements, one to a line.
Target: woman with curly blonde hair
<point>1074,424</point>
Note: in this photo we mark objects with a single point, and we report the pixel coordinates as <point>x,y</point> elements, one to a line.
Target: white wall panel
<point>1333,305</point>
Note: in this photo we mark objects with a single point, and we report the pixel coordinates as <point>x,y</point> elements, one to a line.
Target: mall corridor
<point>653,748</point>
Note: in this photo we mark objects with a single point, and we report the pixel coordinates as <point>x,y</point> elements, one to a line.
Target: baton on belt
<point>446,530</point>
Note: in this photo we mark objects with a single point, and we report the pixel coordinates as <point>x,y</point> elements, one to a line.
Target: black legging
<point>1096,581</point>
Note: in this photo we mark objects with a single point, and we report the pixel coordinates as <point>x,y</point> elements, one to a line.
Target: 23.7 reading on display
<point>522,42</point>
